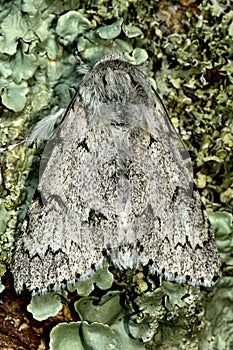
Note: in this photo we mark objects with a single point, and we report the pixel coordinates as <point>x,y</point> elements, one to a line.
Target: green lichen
<point>101,278</point>
<point>223,226</point>
<point>219,310</point>
<point>49,304</point>
<point>102,326</point>
<point>66,336</point>
<point>171,316</point>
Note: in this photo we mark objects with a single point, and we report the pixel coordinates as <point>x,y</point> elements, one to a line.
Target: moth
<point>115,184</point>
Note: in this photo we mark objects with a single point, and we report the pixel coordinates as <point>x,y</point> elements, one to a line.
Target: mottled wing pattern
<point>113,179</point>
<point>45,254</point>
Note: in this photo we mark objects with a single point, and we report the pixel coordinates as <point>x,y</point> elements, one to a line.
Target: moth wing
<point>169,218</point>
<point>166,128</point>
<point>194,256</point>
<point>49,250</point>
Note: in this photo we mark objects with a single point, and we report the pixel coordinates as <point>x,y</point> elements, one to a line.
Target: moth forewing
<point>116,182</point>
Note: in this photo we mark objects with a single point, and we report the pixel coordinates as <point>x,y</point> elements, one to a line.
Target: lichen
<point>47,305</point>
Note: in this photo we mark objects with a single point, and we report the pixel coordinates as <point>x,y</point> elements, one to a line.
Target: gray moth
<point>115,183</point>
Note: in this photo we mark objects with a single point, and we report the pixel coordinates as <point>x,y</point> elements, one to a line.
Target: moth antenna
<point>11,147</point>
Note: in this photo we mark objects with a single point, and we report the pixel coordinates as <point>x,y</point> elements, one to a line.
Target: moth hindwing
<point>115,181</point>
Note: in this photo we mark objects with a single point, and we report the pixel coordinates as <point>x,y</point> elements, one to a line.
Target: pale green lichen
<point>222,222</point>
<point>171,316</point>
<point>219,311</point>
<point>101,278</point>
<point>102,326</point>
<point>49,304</point>
<point>66,336</point>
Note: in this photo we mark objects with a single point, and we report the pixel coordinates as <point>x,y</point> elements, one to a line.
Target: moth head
<point>83,69</point>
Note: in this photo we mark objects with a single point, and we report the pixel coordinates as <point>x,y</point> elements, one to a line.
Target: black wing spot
<point>84,145</point>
